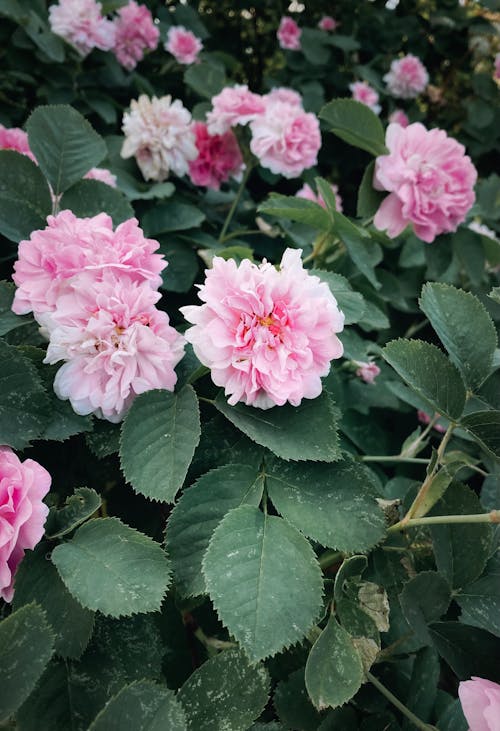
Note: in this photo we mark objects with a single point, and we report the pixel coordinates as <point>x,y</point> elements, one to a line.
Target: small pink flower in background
<point>480,701</point>
<point>363,92</point>
<point>103,175</point>
<point>23,485</point>
<point>219,158</point>
<point>234,105</point>
<point>430,181</point>
<point>289,34</point>
<point>308,193</point>
<point>135,32</point>
<point>283,94</point>
<point>285,139</point>
<point>399,117</point>
<point>496,73</point>
<point>328,23</point>
<point>267,335</point>
<point>16,139</point>
<point>367,371</point>
<point>183,45</point>
<point>426,419</point>
<point>81,23</point>
<point>407,77</point>
<point>158,133</point>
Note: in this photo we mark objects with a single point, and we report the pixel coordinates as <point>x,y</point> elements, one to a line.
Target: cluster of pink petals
<point>496,73</point>
<point>267,335</point>
<point>23,485</point>
<point>283,94</point>
<point>407,77</point>
<point>15,139</point>
<point>102,175</point>
<point>430,181</point>
<point>480,699</point>
<point>399,117</point>
<point>426,419</point>
<point>288,34</point>
<point>158,133</point>
<point>234,105</point>
<point>219,158</point>
<point>183,45</point>
<point>363,92</point>
<point>135,32</point>
<point>328,23</point>
<point>81,23</point>
<point>367,371</point>
<point>308,194</point>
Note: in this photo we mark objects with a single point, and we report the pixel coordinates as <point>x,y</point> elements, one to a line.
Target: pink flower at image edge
<point>480,701</point>
<point>16,139</point>
<point>135,32</point>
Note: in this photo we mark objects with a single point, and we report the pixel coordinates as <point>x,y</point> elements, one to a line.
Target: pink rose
<point>288,34</point>
<point>183,45</point>
<point>135,32</point>
<point>496,73</point>
<point>328,23</point>
<point>407,77</point>
<point>363,92</point>
<point>480,701</point>
<point>308,194</point>
<point>234,105</point>
<point>367,371</point>
<point>399,117</point>
<point>426,419</point>
<point>103,175</point>
<point>23,485</point>
<point>282,94</point>
<point>81,23</point>
<point>15,139</point>
<point>430,181</point>
<point>219,158</point>
<point>285,139</point>
<point>267,335</point>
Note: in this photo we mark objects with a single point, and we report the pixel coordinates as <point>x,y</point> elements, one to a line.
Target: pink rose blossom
<point>183,45</point>
<point>363,92</point>
<point>407,77</point>
<point>81,23</point>
<point>288,34</point>
<point>268,336</point>
<point>234,105</point>
<point>158,132</point>
<point>115,342</point>
<point>328,23</point>
<point>15,139</point>
<point>135,32</point>
<point>23,485</point>
<point>480,701</point>
<point>496,73</point>
<point>282,94</point>
<point>219,158</point>
<point>308,194</point>
<point>285,139</point>
<point>399,117</point>
<point>103,175</point>
<point>70,245</point>
<point>367,371</point>
<point>426,419</point>
<point>430,181</point>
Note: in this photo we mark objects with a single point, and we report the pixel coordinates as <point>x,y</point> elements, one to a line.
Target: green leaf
<point>198,513</point>
<point>78,507</point>
<point>467,650</point>
<point>425,599</point>
<point>423,685</point>
<point>334,672</point>
<point>206,79</point>
<point>42,36</point>
<point>281,429</point>
<point>364,252</point>
<point>182,265</point>
<point>350,302</point>
<point>453,719</point>
<point>112,568</point>
<point>297,209</point>
<point>26,646</point>
<point>480,601</point>
<point>50,706</point>
<point>484,426</point>
<point>243,568</point>
<point>141,706</point>
<point>226,692</point>
<point>334,504</point>
<point>313,46</point>
<point>8,320</point>
<point>495,295</point>
<point>293,705</point>
<point>369,199</point>
<point>356,124</point>
<point>25,200</point>
<point>464,327</point>
<point>429,373</point>
<point>436,489</point>
<point>90,197</point>
<point>104,439</point>
<point>171,216</point>
<point>159,436</point>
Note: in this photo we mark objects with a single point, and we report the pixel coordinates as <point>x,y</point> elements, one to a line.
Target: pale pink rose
<point>430,181</point>
<point>328,23</point>
<point>234,105</point>
<point>183,45</point>
<point>363,92</point>
<point>399,117</point>
<point>426,419</point>
<point>407,77</point>
<point>496,73</point>
<point>15,139</point>
<point>267,335</point>
<point>23,485</point>
<point>81,23</point>
<point>285,139</point>
<point>135,32</point>
<point>103,175</point>
<point>308,194</point>
<point>158,133</point>
<point>367,371</point>
<point>283,94</point>
<point>115,342</point>
<point>480,701</point>
<point>70,245</point>
<point>219,158</point>
<point>288,34</point>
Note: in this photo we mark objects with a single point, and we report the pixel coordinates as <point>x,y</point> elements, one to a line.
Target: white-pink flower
<point>103,175</point>
<point>328,23</point>
<point>308,194</point>
<point>288,34</point>
<point>115,342</point>
<point>135,32</point>
<point>367,371</point>
<point>480,699</point>
<point>23,485</point>
<point>233,105</point>
<point>283,94</point>
<point>158,133</point>
<point>267,335</point>
<point>399,117</point>
<point>363,92</point>
<point>285,139</point>
<point>71,245</point>
<point>430,180</point>
<point>407,77</point>
<point>219,158</point>
<point>14,138</point>
<point>183,45</point>
<point>81,23</point>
